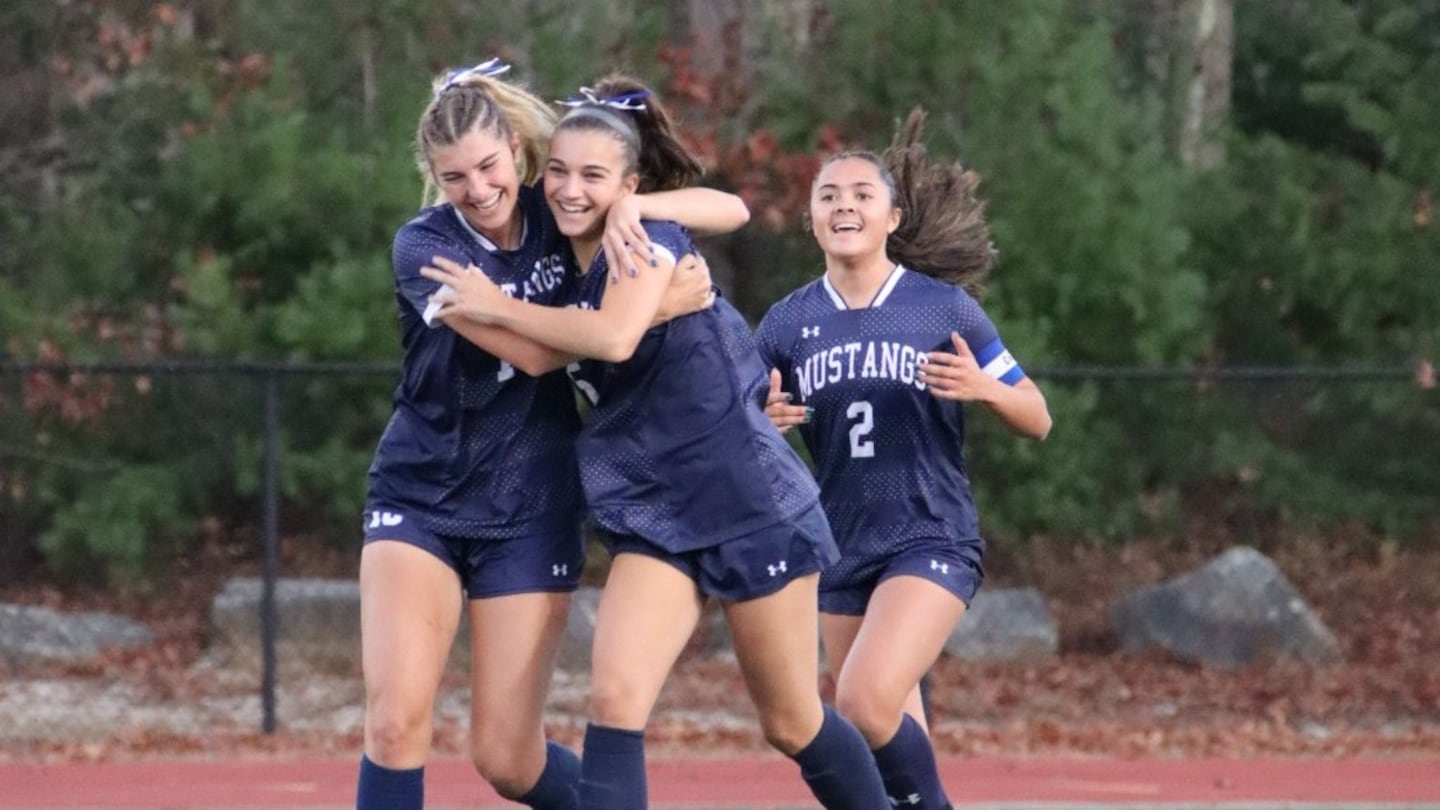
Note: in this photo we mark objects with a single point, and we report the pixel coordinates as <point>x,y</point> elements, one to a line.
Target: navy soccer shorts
<point>748,567</point>
<point>549,561</point>
<point>845,590</point>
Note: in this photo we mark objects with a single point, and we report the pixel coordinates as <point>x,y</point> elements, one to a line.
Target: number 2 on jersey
<point>860,446</point>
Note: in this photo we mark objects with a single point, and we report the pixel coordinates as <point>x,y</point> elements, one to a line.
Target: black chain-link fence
<point>119,479</point>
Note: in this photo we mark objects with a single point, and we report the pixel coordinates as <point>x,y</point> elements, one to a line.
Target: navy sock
<point>907,764</point>
<point>384,788</point>
<point>558,787</point>
<point>839,768</point>
<point>612,769</point>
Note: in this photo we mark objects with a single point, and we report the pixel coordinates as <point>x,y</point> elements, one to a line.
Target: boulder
<point>37,634</point>
<point>1004,624</point>
<point>1235,610</point>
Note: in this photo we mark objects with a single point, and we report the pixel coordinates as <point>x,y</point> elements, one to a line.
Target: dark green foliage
<point>233,195</point>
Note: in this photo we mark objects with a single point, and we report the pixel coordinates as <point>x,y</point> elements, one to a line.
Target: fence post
<point>270,494</point>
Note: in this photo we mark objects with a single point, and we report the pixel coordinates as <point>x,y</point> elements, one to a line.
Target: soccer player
<point>474,496</point>
<point>873,361</point>
<point>697,493</point>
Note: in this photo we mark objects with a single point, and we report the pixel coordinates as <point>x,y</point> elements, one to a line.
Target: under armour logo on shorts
<point>560,570</point>
<point>943,568</point>
<point>913,798</point>
<point>777,569</point>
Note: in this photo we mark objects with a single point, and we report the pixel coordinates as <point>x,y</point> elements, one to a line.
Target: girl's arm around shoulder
<point>416,245</point>
<point>610,333</point>
<point>525,354</point>
<point>702,211</point>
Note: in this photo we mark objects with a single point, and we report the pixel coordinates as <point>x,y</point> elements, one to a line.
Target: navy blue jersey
<point>887,453</point>
<point>678,449</point>
<point>482,449</point>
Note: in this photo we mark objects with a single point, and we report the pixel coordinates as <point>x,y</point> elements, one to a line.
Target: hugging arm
<point>703,211</point>
<point>610,333</point>
<point>687,291</point>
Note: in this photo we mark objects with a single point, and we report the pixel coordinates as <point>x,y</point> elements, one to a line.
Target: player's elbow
<point>534,367</point>
<point>617,348</point>
<point>536,363</point>
<point>741,212</point>
<point>1043,430</point>
<point>1041,427</point>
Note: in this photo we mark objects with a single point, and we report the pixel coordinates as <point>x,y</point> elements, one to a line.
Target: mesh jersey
<point>888,455</point>
<point>679,450</point>
<point>480,448</point>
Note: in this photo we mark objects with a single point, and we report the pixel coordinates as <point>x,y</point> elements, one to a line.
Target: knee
<point>397,735</point>
<point>790,729</point>
<point>512,770</point>
<point>619,703</point>
<point>870,710</point>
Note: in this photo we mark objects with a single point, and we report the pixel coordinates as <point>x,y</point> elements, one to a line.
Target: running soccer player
<point>696,491</point>
<point>474,496</point>
<point>873,361</point>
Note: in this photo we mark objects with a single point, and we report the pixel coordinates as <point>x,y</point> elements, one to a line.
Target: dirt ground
<point>1381,600</point>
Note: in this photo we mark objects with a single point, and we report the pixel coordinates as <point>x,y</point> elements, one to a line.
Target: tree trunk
<point>1189,51</point>
<point>725,41</point>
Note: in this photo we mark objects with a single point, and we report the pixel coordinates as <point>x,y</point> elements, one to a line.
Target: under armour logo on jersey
<point>387,519</point>
<point>809,331</point>
<point>913,798</point>
<point>776,569</point>
<point>560,570</point>
<point>943,568</point>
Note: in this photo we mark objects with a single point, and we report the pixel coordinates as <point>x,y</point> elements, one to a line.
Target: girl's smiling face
<point>479,177</point>
<point>852,210</point>
<point>585,175</point>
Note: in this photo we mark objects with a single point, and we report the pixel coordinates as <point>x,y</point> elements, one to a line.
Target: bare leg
<point>776,641</point>
<point>409,611</point>
<point>514,641</point>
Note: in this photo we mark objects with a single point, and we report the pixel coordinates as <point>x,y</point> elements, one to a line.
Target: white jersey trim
<point>889,285</point>
<point>490,247</point>
<point>880,295</point>
<point>834,294</point>
<point>433,307</point>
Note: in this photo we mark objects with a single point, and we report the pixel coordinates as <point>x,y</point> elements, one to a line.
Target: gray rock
<point>579,637</point>
<point>1235,610</point>
<point>318,626</point>
<point>317,622</point>
<point>1005,624</point>
<point>37,634</point>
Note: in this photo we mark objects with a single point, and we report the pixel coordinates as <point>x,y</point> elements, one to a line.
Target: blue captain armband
<point>996,361</point>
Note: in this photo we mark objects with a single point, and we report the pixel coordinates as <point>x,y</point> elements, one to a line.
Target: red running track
<point>753,782</point>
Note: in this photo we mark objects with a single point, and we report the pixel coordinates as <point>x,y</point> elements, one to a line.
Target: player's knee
<point>618,702</point>
<point>397,736</point>
<point>508,769</point>
<point>790,729</point>
<point>869,709</point>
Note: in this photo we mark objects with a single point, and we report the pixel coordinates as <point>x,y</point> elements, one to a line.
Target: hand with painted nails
<point>957,376</point>
<point>690,290</point>
<point>782,414</point>
<point>625,237</point>
<point>464,291</point>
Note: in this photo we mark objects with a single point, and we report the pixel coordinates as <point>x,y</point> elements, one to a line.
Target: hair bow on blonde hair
<point>489,69</point>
